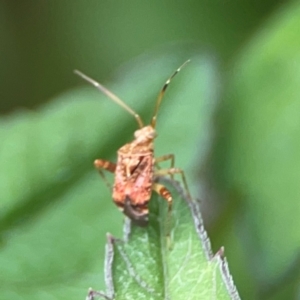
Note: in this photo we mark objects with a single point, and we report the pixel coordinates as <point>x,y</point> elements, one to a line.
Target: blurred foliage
<point>259,140</point>
<point>59,196</point>
<point>42,41</point>
<point>53,219</point>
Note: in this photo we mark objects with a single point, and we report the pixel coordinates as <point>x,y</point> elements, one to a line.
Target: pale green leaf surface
<point>145,267</point>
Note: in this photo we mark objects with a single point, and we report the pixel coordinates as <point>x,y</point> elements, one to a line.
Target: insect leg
<point>164,193</point>
<point>166,157</point>
<point>101,164</point>
<point>173,171</point>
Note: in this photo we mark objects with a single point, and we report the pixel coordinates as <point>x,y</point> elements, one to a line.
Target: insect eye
<point>153,134</point>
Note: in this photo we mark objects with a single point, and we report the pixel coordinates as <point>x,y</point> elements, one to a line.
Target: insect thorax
<point>134,175</point>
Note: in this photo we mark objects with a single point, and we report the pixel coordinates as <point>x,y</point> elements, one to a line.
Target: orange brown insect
<point>136,166</point>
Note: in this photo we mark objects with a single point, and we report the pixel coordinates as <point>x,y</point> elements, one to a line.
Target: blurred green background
<point>231,117</point>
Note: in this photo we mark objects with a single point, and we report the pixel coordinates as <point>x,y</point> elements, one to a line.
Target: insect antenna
<point>112,96</point>
<point>162,92</point>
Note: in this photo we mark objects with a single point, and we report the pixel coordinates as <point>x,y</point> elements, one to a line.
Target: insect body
<point>136,166</point>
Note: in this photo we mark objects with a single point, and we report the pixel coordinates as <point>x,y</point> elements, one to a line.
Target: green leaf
<point>257,155</point>
<point>54,209</point>
<point>144,266</point>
